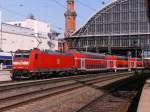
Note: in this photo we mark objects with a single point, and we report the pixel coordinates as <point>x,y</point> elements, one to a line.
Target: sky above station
<point>51,11</point>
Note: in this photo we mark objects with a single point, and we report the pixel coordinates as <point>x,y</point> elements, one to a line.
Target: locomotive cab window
<point>18,56</point>
<point>25,55</point>
<point>22,55</point>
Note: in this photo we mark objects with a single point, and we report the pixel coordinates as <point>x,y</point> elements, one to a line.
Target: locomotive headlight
<point>25,63</point>
<point>16,63</point>
<point>21,63</point>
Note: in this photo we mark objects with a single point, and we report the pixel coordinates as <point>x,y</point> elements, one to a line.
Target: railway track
<point>116,99</point>
<point>10,84</point>
<point>6,82</point>
<point>110,103</point>
<point>17,94</point>
<point>50,78</point>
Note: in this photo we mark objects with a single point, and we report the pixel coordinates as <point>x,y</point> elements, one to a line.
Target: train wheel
<point>34,77</point>
<point>38,76</point>
<point>136,72</point>
<point>13,76</point>
<point>42,76</point>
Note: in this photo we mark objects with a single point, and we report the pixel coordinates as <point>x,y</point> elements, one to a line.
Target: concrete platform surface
<point>144,104</point>
<point>5,75</point>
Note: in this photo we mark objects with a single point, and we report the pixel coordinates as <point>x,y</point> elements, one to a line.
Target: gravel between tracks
<point>111,103</point>
<point>67,102</point>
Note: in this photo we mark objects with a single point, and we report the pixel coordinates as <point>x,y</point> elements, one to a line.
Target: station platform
<point>5,75</point>
<point>144,104</point>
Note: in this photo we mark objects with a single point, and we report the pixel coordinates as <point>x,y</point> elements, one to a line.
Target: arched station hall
<point>120,27</point>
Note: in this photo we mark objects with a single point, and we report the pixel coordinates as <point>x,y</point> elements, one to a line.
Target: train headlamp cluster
<point>20,63</point>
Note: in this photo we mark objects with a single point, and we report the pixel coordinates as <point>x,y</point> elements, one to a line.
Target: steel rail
<point>13,101</point>
<point>7,86</point>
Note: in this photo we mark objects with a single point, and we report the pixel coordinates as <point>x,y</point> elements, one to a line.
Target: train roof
<point>24,51</point>
<point>43,51</point>
<point>87,53</point>
<point>54,52</point>
<point>91,53</point>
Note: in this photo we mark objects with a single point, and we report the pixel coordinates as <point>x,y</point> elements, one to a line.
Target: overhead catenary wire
<point>60,4</point>
<point>85,5</point>
<point>57,2</point>
<point>11,11</point>
<point>63,6</point>
<point>21,15</point>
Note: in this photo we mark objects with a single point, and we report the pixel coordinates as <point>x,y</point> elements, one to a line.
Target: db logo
<point>58,61</point>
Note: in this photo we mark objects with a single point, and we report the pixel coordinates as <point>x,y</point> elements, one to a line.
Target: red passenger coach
<point>122,63</point>
<point>85,61</point>
<point>139,63</point>
<point>147,63</point>
<point>111,62</point>
<point>146,60</point>
<point>117,62</point>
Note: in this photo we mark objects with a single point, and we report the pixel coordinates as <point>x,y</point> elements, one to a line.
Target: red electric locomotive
<point>27,64</point>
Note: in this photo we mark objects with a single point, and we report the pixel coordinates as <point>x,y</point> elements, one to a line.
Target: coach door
<point>111,64</point>
<point>82,64</point>
<point>132,64</point>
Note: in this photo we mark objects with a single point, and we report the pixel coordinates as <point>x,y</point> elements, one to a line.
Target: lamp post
<point>86,48</point>
<point>1,30</point>
<point>36,35</point>
<point>109,44</point>
<point>135,47</point>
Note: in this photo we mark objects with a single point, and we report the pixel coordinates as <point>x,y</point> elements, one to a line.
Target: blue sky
<point>49,10</point>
